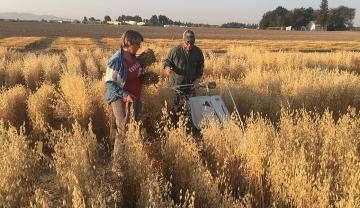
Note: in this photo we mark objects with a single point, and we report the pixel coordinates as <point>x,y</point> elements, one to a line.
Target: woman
<point>123,86</point>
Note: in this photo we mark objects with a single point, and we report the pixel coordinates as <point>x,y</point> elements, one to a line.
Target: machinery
<point>201,109</point>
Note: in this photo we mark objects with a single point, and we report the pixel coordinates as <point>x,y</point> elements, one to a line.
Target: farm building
<point>131,22</point>
<point>113,22</point>
<point>135,23</point>
<point>93,22</point>
<point>312,26</point>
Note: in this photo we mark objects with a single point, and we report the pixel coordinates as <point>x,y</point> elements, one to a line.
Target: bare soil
<point>52,30</point>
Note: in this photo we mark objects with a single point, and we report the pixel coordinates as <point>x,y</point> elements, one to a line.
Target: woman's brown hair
<point>130,37</point>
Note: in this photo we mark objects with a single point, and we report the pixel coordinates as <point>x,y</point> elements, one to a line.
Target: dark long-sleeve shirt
<point>187,66</point>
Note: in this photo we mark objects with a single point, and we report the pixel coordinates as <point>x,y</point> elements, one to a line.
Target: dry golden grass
<point>112,43</point>
<point>292,152</point>
<point>10,68</point>
<point>74,62</point>
<point>33,71</point>
<point>95,63</point>
<point>302,45</point>
<point>13,105</point>
<point>63,43</point>
<point>260,58</point>
<point>144,185</point>
<point>38,68</point>
<point>317,153</point>
<point>221,46</point>
<point>304,149</point>
<point>41,108</point>
<point>76,98</point>
<point>29,69</point>
<point>77,162</point>
<point>266,91</point>
<point>185,170</point>
<point>102,117</point>
<point>13,73</point>
<point>18,167</point>
<point>52,66</point>
<point>90,62</point>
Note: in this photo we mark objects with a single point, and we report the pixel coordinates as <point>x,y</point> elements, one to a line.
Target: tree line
<point>161,20</point>
<point>340,18</point>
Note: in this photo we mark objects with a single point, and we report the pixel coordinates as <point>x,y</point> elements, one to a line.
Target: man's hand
<point>128,99</point>
<point>196,83</point>
<point>168,71</point>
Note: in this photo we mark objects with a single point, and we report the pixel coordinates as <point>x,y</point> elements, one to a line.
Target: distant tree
<point>137,18</point>
<point>164,20</point>
<point>322,17</point>
<point>239,25</point>
<point>153,20</point>
<point>266,20</point>
<point>92,19</point>
<point>309,15</point>
<point>276,18</point>
<point>282,16</point>
<point>301,17</point>
<point>129,18</point>
<point>341,18</point>
<point>85,20</point>
<point>233,25</point>
<point>178,23</point>
<point>107,18</point>
<point>121,18</point>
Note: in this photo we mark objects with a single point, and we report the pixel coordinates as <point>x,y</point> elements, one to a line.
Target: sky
<point>196,11</point>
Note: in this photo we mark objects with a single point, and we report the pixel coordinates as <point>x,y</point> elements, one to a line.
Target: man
<point>184,63</point>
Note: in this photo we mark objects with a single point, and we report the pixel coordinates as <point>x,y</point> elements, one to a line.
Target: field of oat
<point>300,146</point>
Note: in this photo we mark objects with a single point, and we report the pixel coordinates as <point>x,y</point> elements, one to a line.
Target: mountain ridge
<point>30,16</point>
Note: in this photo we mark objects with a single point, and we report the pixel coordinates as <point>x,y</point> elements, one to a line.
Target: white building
<point>312,26</point>
<point>131,22</point>
<point>174,26</point>
<point>113,22</point>
<point>135,23</point>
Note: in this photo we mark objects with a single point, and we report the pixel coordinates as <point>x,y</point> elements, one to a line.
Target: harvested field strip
<point>41,44</point>
<point>216,46</point>
<point>63,43</point>
<point>19,42</point>
<point>114,43</point>
<point>111,43</point>
<point>272,45</point>
<point>304,46</point>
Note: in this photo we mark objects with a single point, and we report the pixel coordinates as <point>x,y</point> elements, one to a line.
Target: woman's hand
<point>128,99</point>
<point>168,71</point>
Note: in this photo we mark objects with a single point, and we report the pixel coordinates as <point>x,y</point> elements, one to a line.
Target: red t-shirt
<point>133,84</point>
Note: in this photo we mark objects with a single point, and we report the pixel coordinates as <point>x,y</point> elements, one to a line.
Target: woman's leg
<point>122,112</point>
<point>119,110</point>
<point>137,106</point>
